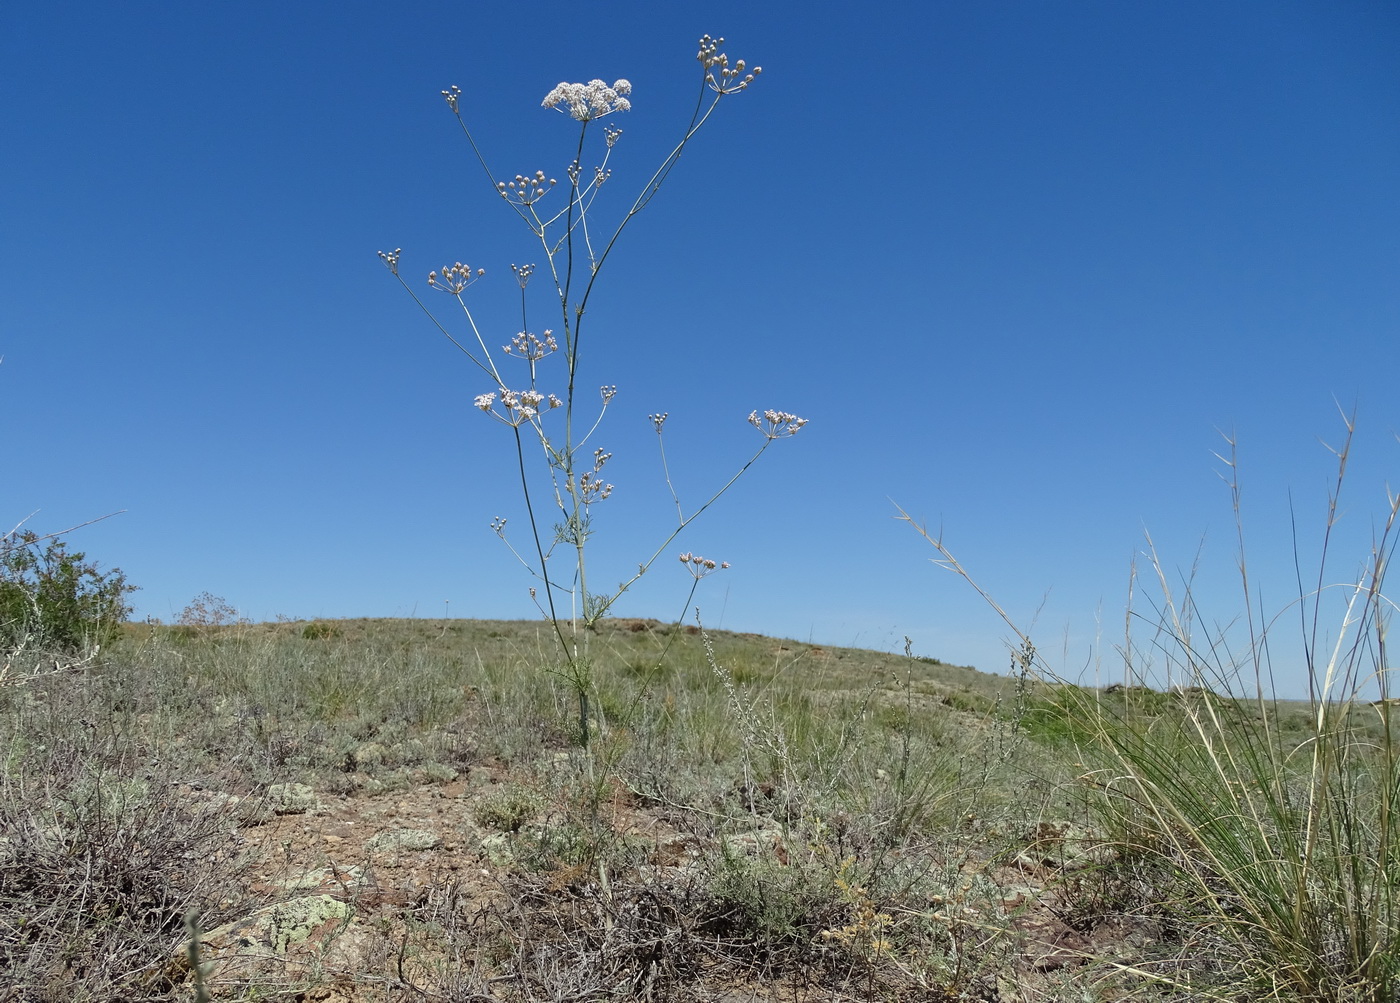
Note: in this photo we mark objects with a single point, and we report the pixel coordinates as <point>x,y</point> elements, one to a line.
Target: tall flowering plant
<point>545,413</point>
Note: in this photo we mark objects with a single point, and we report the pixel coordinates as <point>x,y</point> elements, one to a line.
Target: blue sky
<point>1017,263</point>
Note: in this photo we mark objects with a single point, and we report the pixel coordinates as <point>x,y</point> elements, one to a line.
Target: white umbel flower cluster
<point>594,99</point>
<point>520,406</point>
<point>777,424</point>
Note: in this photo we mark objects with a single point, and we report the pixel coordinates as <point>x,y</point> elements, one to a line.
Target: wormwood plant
<point>1281,842</point>
<point>549,417</point>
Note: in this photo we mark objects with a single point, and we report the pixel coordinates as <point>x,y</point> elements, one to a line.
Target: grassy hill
<point>394,809</point>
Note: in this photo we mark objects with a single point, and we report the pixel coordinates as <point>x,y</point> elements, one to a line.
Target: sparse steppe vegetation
<point>591,808</point>
<point>394,809</point>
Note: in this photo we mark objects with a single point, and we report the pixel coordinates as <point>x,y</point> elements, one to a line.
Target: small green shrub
<point>775,892</point>
<point>508,808</point>
<point>54,599</point>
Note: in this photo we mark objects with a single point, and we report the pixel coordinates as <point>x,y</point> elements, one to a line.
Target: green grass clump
<point>1264,833</point>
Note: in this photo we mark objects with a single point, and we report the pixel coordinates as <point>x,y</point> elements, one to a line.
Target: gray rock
<point>305,935</point>
<point>292,799</point>
<point>400,840</point>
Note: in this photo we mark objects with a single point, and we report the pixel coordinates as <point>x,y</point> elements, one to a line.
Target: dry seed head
<point>608,393</point>
<point>523,273</point>
<point>659,420</point>
<point>453,94</point>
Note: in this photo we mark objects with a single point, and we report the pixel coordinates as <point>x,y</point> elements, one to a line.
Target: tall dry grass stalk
<point>1276,828</point>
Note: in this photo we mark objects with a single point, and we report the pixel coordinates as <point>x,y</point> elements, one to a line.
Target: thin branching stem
<point>684,522</point>
<point>575,260</point>
<point>670,485</point>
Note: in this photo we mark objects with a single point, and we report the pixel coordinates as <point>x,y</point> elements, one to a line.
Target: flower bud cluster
<point>699,566</point>
<point>592,488</point>
<point>523,273</point>
<point>608,392</point>
<point>585,102</point>
<point>777,424</point>
<point>498,525</point>
<point>454,278</point>
<point>659,420</point>
<point>530,348</point>
<point>391,259</point>
<point>520,406</point>
<point>526,191</point>
<point>591,485</point>
<point>611,134</point>
<point>728,81</point>
<point>453,95</point>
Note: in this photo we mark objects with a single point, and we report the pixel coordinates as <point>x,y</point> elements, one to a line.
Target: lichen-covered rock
<point>286,923</point>
<point>305,936</point>
<point>400,840</point>
<point>496,849</point>
<point>292,799</point>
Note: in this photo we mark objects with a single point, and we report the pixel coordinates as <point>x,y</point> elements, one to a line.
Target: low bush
<point>101,860</point>
<point>52,599</point>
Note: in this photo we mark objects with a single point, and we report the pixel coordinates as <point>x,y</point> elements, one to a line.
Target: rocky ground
<point>394,894</point>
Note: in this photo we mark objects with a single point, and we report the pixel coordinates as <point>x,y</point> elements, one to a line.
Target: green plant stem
<point>642,568</point>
